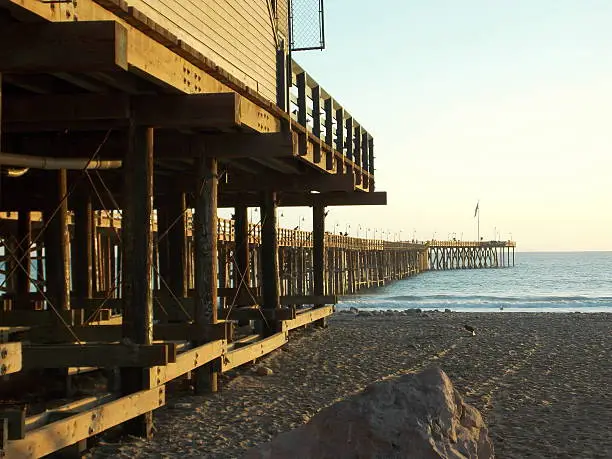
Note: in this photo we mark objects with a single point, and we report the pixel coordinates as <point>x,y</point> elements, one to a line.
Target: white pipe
<point>41,162</point>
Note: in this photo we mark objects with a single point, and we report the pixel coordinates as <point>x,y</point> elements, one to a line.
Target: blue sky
<point>509,102</point>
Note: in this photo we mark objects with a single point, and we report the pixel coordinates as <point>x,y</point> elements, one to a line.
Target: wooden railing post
<point>357,146</point>
<point>302,107</point>
<point>349,138</point>
<point>340,130</point>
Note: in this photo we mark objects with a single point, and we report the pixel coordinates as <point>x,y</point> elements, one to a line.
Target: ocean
<point>539,282</point>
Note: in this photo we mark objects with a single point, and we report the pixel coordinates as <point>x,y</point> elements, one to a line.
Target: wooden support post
<point>137,263</point>
<point>269,255</point>
<point>57,264</point>
<point>222,257</point>
<point>318,252</point>
<point>82,255</point>
<point>205,236</point>
<point>242,250</point>
<point>172,234</point>
<point>22,253</point>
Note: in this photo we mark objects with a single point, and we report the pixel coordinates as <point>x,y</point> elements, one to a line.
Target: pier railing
<point>454,243</point>
<point>313,107</point>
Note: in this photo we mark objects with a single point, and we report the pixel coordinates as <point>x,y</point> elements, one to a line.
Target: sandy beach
<point>542,382</point>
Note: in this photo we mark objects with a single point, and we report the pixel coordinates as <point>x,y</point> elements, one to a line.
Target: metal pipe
<point>42,162</point>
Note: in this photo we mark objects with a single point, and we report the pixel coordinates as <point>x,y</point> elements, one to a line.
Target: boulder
<point>417,415</point>
<point>365,314</point>
<point>264,371</point>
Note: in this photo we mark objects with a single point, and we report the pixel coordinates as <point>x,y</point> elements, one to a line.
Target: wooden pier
<point>125,126</point>
<point>443,255</point>
<point>163,113</point>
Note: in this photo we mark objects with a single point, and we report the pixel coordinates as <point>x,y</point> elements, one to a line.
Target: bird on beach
<point>470,329</point>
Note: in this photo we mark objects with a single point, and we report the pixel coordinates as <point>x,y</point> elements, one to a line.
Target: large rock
<point>413,416</point>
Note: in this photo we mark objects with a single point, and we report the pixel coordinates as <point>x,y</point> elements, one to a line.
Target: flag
<point>476,210</point>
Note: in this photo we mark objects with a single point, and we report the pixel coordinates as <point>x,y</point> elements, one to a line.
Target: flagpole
<point>477,213</point>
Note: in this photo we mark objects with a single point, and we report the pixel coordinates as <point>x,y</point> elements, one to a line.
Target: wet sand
<point>541,380</point>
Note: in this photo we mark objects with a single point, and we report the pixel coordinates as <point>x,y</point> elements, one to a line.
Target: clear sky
<point>506,102</point>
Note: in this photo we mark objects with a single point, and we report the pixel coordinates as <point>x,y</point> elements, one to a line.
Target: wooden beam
<point>253,351</point>
<point>137,259</point>
<point>334,199</point>
<point>227,146</point>
<point>10,358</point>
<point>97,355</point>
<point>33,317</point>
<point>256,313</point>
<point>188,361</point>
<point>112,333</point>
<point>287,300</point>
<point>288,183</point>
<point>183,111</point>
<point>293,199</point>
<point>205,236</point>
<point>100,111</point>
<point>53,112</point>
<point>65,432</point>
<point>308,317</point>
<point>84,46</point>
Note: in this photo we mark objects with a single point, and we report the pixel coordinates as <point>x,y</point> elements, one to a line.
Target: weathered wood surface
<point>10,358</point>
<point>160,56</point>
<point>253,351</point>
<point>63,47</point>
<point>68,431</point>
<point>237,35</point>
<point>308,317</point>
<point>205,260</point>
<point>137,247</point>
<point>97,355</point>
